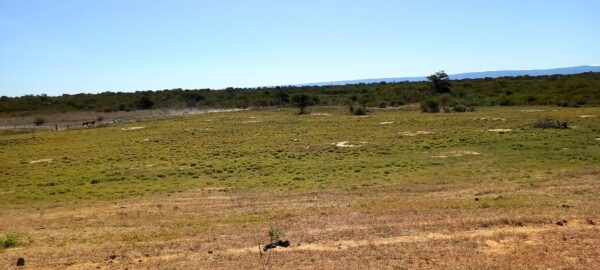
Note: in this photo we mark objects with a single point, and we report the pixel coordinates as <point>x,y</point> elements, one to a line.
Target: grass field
<point>396,189</point>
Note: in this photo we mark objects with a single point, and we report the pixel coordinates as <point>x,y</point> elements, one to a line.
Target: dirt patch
<point>320,114</point>
<point>251,122</point>
<point>500,130</point>
<point>132,128</point>
<point>418,238</point>
<point>456,154</point>
<point>587,116</point>
<point>416,133</point>
<point>45,160</point>
<point>498,247</point>
<point>346,144</point>
<point>385,123</point>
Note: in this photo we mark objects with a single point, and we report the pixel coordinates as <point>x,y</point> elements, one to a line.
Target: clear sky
<point>73,46</point>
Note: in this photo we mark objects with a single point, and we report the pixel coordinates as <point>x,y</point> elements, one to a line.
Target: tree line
<point>560,90</point>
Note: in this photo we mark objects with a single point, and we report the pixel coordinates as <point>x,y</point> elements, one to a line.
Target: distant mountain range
<point>473,75</point>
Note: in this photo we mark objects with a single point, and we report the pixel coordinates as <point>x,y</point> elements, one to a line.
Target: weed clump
<point>10,240</point>
<point>550,123</point>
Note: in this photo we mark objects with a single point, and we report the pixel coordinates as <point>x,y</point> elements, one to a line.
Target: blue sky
<point>73,46</point>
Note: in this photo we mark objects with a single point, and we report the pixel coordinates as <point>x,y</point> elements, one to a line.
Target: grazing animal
<point>89,123</point>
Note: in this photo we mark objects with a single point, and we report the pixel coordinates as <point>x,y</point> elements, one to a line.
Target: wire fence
<point>97,123</point>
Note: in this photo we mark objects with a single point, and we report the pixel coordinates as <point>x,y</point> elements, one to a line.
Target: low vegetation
<point>9,240</point>
<point>396,188</point>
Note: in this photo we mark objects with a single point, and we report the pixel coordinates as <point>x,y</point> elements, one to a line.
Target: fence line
<point>78,125</point>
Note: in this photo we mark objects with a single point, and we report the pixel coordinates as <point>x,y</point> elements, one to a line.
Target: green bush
<point>460,108</point>
<point>10,240</point>
<point>430,106</point>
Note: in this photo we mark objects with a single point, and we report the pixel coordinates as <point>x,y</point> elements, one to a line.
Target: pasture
<point>395,189</point>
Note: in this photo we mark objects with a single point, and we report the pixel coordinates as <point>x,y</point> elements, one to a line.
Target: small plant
<point>39,121</point>
<point>99,118</point>
<point>460,108</point>
<point>430,106</point>
<point>275,234</point>
<point>550,123</point>
<point>10,240</point>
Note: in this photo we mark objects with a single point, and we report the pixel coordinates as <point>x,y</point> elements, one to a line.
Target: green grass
<point>292,153</point>
<point>9,240</point>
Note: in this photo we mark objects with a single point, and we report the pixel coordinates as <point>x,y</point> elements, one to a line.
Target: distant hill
<point>473,75</point>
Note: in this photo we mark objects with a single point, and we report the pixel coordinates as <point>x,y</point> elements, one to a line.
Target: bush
<point>382,105</point>
<point>550,123</point>
<point>10,240</point>
<point>39,121</point>
<point>460,108</point>
<point>430,106</point>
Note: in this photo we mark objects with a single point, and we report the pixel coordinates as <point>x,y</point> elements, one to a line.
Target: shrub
<point>10,240</point>
<point>460,108</point>
<point>99,118</point>
<point>39,121</point>
<point>550,123</point>
<point>275,234</point>
<point>382,105</point>
<point>430,106</point>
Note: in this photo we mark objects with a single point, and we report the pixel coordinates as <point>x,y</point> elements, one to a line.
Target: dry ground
<point>415,227</point>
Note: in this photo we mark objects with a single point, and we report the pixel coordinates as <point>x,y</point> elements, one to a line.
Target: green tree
<point>302,101</point>
<point>440,82</point>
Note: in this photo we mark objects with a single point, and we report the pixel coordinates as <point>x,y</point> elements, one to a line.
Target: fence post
<point>56,126</point>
